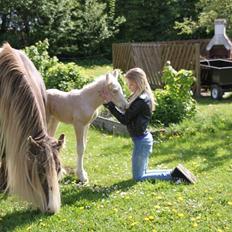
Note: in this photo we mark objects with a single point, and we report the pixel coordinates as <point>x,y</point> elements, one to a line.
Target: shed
<point>151,57</point>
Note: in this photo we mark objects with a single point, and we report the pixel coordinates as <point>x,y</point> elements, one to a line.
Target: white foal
<point>79,108</point>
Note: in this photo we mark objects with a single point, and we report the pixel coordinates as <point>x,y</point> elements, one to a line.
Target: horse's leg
<point>80,131</point>
<point>52,125</point>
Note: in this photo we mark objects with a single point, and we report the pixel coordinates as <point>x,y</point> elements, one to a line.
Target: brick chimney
<point>220,45</point>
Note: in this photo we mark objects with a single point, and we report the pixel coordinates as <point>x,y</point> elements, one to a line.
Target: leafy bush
<point>55,74</point>
<point>38,54</point>
<point>65,77</point>
<point>175,101</point>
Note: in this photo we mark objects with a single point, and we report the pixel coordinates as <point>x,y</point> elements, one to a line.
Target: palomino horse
<point>79,108</point>
<point>28,156</point>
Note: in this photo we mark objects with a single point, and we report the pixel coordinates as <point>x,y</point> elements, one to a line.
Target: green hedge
<point>65,77</point>
<point>55,74</point>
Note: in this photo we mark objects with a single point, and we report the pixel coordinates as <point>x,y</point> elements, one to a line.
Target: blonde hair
<point>139,76</point>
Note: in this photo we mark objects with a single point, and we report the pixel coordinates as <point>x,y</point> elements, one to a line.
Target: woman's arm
<point>134,109</point>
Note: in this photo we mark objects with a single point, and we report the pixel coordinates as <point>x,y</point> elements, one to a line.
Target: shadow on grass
<point>89,63</point>
<point>210,151</point>
<point>70,195</point>
<point>11,221</point>
<point>73,194</point>
<point>206,100</point>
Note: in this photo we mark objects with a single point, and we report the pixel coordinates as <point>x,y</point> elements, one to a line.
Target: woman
<point>136,118</point>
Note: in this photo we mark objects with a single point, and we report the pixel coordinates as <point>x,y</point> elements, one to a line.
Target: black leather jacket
<point>136,117</point>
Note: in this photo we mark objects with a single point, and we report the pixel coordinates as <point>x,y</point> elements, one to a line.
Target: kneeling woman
<point>136,118</point>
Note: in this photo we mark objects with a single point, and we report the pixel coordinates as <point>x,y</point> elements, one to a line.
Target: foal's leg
<point>81,144</point>
<point>52,125</point>
<point>85,134</point>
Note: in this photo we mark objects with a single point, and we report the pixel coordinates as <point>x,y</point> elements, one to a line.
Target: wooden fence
<point>152,57</point>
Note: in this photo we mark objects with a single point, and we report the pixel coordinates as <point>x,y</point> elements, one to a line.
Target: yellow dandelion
<point>181,215</point>
<point>229,202</point>
<point>154,230</point>
<point>82,207</point>
<point>210,198</point>
<point>180,198</point>
<point>219,230</point>
<point>146,219</point>
<point>115,210</point>
<point>130,217</point>
<point>134,223</point>
<point>195,224</point>
<point>174,210</point>
<point>151,218</point>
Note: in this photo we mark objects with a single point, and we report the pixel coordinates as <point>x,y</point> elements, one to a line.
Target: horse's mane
<point>97,81</point>
<point>22,114</point>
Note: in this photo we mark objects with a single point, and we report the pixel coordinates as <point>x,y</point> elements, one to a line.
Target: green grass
<point>113,202</point>
<point>94,68</point>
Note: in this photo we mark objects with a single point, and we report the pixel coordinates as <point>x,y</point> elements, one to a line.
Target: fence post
<point>197,70</point>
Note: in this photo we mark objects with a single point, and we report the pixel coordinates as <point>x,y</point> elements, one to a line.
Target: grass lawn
<point>94,69</point>
<point>113,202</point>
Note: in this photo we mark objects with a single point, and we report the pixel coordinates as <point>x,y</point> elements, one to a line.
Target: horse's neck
<point>92,94</point>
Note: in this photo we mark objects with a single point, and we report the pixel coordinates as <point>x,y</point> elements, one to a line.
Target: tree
<point>24,22</point>
<point>209,10</point>
<point>71,26</point>
<point>92,25</point>
<point>152,20</point>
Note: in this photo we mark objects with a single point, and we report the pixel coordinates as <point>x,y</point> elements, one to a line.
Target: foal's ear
<point>115,73</point>
<point>61,141</point>
<point>107,78</point>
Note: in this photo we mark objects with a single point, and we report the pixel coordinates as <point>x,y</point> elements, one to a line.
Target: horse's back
<point>60,105</point>
<point>34,79</point>
<point>34,73</point>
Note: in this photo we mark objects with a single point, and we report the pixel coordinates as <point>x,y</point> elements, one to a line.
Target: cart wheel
<point>216,92</point>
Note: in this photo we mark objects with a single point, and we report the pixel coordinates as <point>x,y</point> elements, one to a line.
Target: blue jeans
<point>142,150</point>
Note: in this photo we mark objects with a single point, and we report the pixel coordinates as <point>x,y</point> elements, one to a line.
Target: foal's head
<point>114,88</point>
<point>44,168</point>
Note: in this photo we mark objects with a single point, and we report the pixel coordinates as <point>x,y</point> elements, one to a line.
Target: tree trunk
<point>3,28</point>
<point>3,175</point>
